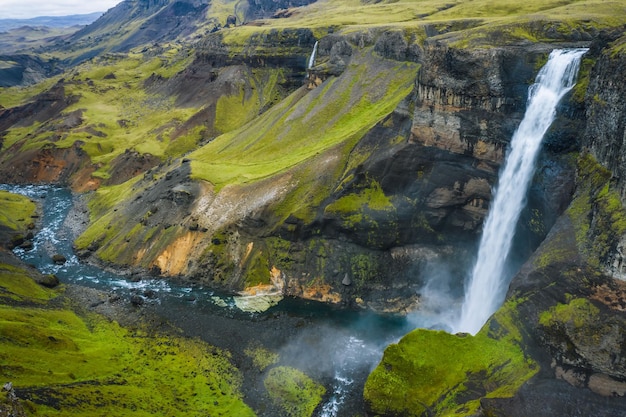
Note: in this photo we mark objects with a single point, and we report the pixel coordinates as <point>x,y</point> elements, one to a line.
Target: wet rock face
<point>605,135</point>
<point>470,102</point>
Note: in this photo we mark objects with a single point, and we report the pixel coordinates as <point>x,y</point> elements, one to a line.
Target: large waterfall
<point>487,287</point>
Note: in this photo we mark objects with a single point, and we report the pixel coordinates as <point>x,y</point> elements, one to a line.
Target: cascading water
<point>488,284</point>
<point>312,57</point>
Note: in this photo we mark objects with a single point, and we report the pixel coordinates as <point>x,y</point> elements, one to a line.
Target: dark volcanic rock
<point>129,164</point>
<point>549,398</point>
<point>137,300</point>
<point>59,259</point>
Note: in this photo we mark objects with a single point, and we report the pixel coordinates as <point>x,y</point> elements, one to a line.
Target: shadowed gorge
<point>275,207</point>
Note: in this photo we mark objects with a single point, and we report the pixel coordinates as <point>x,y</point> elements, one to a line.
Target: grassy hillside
<point>64,361</point>
<point>483,21</point>
<point>300,127</point>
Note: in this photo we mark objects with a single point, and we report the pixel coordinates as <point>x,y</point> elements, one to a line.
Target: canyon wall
<point>560,323</point>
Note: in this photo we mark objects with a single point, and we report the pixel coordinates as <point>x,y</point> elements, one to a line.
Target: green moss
<point>252,95</point>
<point>577,313</point>
<point>314,185</point>
<point>371,197</point>
<point>597,212</point>
<point>106,222</point>
<point>257,269</point>
<point>436,373</point>
<point>293,391</point>
<point>580,89</point>
<point>17,285</point>
<point>16,211</point>
<point>340,111</point>
<point>364,269</point>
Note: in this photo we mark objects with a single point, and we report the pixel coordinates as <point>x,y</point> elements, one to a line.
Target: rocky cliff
<point>231,163</point>
<point>564,314</point>
<point>349,212</point>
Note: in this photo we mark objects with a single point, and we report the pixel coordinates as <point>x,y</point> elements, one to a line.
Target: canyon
<point>214,154</point>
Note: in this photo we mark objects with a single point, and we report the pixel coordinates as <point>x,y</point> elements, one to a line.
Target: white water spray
<point>488,284</point>
<point>312,57</point>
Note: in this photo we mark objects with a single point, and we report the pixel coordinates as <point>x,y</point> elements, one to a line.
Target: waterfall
<point>312,57</point>
<point>488,284</point>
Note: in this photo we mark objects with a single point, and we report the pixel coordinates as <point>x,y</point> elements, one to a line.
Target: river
<point>336,347</point>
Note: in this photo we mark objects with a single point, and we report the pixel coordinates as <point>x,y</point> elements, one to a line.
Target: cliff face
<point>371,201</point>
<point>605,138</point>
<point>565,308</point>
<point>408,189</point>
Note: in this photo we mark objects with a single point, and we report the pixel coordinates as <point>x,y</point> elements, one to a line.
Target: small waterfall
<point>312,57</point>
<point>488,285</point>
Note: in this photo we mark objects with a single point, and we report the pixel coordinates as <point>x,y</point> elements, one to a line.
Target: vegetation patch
<point>577,313</point>
<point>16,211</point>
<point>475,23</point>
<point>341,110</point>
<point>17,285</point>
<point>261,357</point>
<point>293,391</point>
<point>436,373</point>
<point>371,197</point>
<point>596,211</point>
<point>65,363</point>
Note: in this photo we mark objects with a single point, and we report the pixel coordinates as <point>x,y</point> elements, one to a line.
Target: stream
<point>336,347</point>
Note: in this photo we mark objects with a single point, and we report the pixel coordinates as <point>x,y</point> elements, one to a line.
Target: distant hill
<point>50,21</point>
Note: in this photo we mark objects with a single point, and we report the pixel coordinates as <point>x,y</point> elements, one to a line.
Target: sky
<point>25,9</point>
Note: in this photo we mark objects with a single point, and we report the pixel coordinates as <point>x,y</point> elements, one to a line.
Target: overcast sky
<point>24,9</point>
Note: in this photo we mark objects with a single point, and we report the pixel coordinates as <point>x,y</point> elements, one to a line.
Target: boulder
<point>59,259</point>
<point>49,280</point>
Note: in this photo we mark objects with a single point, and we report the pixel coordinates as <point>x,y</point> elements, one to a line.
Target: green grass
<point>481,20</point>
<point>78,364</point>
